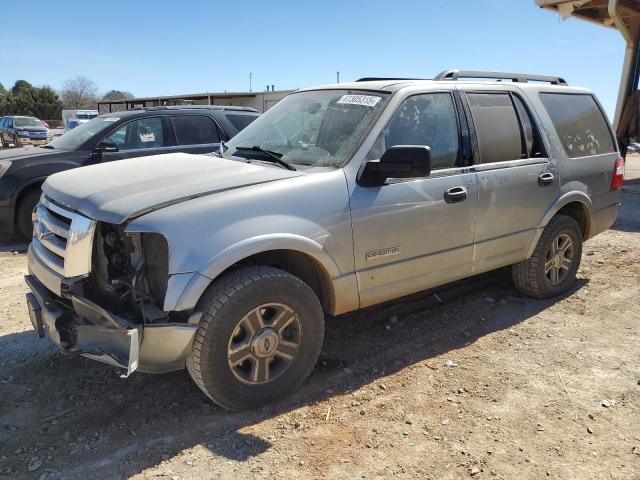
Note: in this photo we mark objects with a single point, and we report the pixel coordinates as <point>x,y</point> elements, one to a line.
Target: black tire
<point>531,276</point>
<point>24,211</point>
<point>16,142</point>
<point>224,306</point>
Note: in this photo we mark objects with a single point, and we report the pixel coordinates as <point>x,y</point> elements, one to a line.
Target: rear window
<point>580,124</point>
<point>241,121</point>
<point>195,130</point>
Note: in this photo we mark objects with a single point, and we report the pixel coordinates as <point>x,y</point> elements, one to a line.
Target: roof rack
<point>514,77</point>
<point>376,79</point>
<point>197,107</point>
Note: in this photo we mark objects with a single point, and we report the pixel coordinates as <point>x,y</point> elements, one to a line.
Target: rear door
<point>517,182</point>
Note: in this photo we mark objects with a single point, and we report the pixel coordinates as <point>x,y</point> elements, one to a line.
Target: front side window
<point>195,130</point>
<point>318,128</point>
<point>427,119</point>
<point>580,124</point>
<point>139,134</point>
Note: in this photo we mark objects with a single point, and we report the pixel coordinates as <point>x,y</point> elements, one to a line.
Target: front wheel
<point>260,336</point>
<point>552,268</point>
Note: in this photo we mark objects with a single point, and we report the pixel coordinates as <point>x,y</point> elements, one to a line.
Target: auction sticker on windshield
<point>366,100</point>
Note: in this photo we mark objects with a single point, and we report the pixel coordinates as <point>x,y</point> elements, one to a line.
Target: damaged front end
<point>99,292</point>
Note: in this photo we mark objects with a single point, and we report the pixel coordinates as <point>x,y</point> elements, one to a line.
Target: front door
<point>517,183</point>
<point>413,234</point>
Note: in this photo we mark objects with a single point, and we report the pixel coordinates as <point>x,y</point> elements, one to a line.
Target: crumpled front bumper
<point>91,331</point>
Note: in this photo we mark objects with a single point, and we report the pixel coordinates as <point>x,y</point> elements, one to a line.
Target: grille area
<point>62,239</point>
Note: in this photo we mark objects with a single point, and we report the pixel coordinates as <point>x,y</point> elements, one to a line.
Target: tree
<point>47,105</point>
<point>25,99</point>
<point>117,95</point>
<point>79,92</point>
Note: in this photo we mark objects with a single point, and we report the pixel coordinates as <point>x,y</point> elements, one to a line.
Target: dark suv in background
<point>22,130</point>
<point>114,136</point>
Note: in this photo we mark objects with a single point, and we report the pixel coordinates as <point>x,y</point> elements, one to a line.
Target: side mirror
<point>399,161</point>
<point>106,146</point>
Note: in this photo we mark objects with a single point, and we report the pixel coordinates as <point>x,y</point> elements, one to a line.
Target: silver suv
<point>337,198</point>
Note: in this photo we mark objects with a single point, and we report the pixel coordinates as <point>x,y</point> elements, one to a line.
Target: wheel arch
<point>302,257</point>
<point>576,205</point>
<point>24,190</point>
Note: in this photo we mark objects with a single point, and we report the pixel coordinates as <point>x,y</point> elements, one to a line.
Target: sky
<point>168,48</point>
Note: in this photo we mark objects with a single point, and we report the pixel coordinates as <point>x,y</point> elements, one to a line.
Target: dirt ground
<point>479,382</point>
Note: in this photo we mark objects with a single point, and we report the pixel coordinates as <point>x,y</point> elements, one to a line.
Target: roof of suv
<point>498,79</point>
<point>143,111</point>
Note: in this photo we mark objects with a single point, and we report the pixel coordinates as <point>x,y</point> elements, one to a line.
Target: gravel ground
<point>486,383</point>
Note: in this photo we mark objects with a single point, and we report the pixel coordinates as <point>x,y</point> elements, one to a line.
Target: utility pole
<point>250,75</point>
<point>338,77</point>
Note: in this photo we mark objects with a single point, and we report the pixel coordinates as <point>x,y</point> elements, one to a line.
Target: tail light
<point>618,174</point>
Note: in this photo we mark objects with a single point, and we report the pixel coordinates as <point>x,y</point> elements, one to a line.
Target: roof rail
<point>374,79</point>
<point>514,77</point>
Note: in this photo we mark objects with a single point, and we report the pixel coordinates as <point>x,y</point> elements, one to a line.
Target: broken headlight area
<point>129,274</point>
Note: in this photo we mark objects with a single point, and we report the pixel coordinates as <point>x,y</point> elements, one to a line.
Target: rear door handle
<point>545,179</point>
<point>455,195</point>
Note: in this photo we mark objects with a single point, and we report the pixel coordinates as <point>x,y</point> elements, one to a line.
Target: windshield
<point>318,128</point>
<point>80,134</point>
<point>27,122</point>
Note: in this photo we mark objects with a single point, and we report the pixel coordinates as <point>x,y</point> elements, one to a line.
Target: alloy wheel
<point>264,343</point>
<point>559,259</point>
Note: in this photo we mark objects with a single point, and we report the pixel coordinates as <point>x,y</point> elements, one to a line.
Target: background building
<point>261,101</point>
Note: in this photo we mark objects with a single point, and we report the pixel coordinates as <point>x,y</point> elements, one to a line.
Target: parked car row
<point>337,198</point>
<point>19,131</point>
<point>114,136</point>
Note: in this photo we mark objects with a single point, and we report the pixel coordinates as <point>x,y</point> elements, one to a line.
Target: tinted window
<point>497,127</point>
<point>241,121</point>
<point>195,130</point>
<point>428,119</point>
<point>143,133</point>
<point>580,124</point>
<point>531,142</point>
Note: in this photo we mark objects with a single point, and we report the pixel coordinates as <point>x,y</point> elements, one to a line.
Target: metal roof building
<point>622,15</point>
<point>261,101</point>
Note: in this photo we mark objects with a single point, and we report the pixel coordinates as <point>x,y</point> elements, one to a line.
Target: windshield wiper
<point>268,155</point>
<point>48,146</point>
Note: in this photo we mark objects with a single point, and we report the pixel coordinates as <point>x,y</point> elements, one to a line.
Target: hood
<point>118,191</point>
<point>25,153</point>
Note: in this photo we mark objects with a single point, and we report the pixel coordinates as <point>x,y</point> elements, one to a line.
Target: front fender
<point>186,289</point>
<point>565,199</point>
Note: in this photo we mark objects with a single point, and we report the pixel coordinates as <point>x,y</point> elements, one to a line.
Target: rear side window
<point>497,127</point>
<point>241,121</point>
<point>195,130</point>
<point>580,124</point>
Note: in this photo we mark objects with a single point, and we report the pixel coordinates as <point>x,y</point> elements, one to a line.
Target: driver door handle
<point>545,179</point>
<point>455,195</point>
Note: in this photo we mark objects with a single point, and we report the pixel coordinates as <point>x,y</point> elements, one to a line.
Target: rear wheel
<point>552,268</point>
<point>260,336</point>
<point>25,210</point>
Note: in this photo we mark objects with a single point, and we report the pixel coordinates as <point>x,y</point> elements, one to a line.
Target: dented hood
<point>117,191</point>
